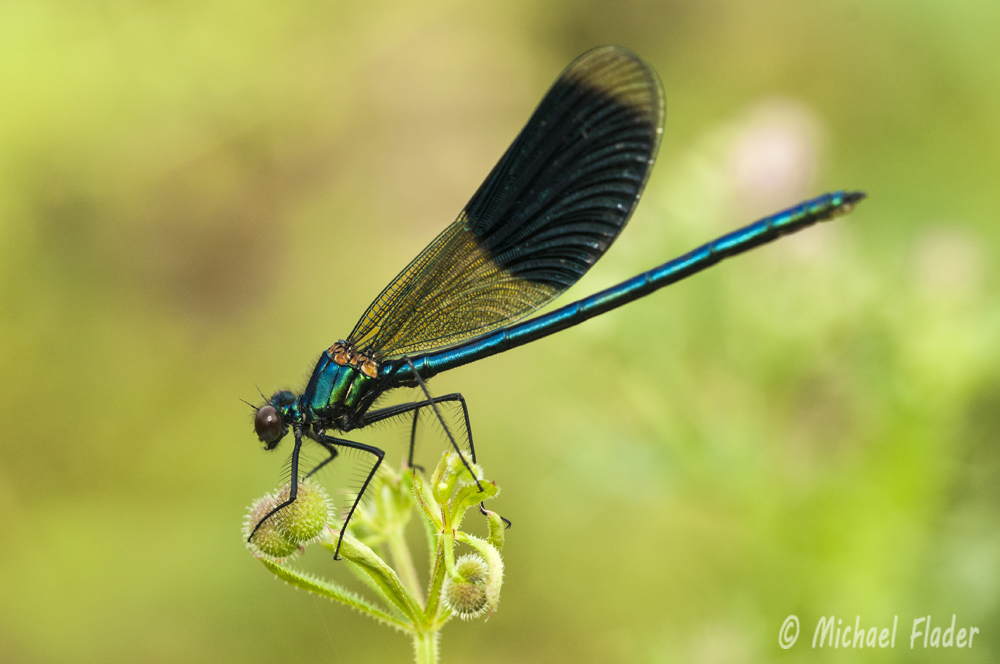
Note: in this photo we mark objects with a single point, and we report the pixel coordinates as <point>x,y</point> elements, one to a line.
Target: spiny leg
<point>328,442</point>
<point>333,455</point>
<point>431,402</point>
<point>415,407</point>
<point>413,440</point>
<point>293,485</point>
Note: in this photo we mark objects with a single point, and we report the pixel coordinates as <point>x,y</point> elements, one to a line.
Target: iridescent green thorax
<point>337,391</point>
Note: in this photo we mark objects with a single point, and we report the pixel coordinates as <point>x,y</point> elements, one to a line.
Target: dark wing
<point>550,208</point>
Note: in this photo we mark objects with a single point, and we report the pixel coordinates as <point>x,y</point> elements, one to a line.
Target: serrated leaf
<point>333,591</point>
<point>381,574</point>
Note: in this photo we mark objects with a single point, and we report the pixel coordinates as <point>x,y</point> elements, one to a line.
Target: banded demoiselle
<point>555,202</point>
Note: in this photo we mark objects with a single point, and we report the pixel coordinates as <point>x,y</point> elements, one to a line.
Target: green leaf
<point>497,529</point>
<point>468,496</point>
<point>381,574</point>
<point>427,503</point>
<point>330,590</point>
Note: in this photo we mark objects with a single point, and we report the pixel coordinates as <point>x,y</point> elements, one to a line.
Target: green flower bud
<point>467,598</point>
<point>267,541</point>
<point>304,519</point>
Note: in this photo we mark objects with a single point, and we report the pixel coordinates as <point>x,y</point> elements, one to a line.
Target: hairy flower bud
<point>467,598</point>
<point>307,516</point>
<point>268,540</point>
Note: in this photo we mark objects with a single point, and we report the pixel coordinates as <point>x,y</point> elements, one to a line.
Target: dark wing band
<point>550,208</point>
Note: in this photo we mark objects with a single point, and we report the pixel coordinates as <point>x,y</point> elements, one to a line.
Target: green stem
<point>404,562</point>
<point>425,647</point>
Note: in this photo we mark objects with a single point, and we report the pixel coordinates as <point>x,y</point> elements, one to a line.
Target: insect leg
<point>293,486</point>
<point>415,407</point>
<point>330,441</point>
<point>333,455</point>
<point>413,440</point>
<point>431,402</point>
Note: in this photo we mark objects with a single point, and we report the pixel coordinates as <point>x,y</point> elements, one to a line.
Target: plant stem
<point>405,569</point>
<point>425,647</point>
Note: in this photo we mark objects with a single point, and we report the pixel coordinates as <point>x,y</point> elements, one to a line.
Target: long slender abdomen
<point>770,228</point>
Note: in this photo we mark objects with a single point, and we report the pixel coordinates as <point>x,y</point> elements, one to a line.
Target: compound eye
<point>267,424</point>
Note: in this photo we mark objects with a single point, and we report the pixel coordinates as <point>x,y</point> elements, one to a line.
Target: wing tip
<point>638,87</point>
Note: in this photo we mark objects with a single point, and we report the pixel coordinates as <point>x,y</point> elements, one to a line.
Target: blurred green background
<point>197,198</point>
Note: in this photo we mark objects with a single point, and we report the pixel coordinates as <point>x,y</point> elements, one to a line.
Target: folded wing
<point>550,208</point>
